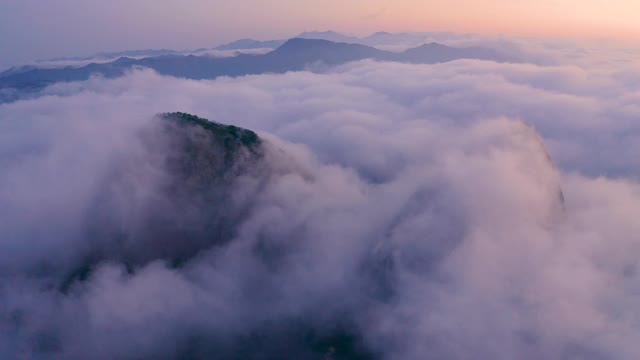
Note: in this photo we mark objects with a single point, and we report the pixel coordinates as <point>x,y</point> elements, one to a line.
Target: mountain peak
<point>225,133</point>
<point>327,51</point>
<point>329,35</point>
<point>250,44</point>
<point>298,41</point>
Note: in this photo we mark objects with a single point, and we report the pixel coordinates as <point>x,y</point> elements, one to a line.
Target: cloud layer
<point>451,211</point>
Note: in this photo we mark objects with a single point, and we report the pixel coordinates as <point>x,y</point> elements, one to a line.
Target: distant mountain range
<point>243,44</point>
<point>294,55</point>
<point>131,53</point>
<point>376,39</point>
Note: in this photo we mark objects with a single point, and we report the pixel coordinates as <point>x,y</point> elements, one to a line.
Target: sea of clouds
<point>461,210</point>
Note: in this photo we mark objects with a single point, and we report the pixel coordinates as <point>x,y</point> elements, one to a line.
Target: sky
<point>35,29</point>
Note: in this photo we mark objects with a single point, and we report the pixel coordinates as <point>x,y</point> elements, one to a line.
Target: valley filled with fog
<point>433,196</point>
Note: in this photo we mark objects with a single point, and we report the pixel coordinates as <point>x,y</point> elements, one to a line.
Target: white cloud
<point>410,201</point>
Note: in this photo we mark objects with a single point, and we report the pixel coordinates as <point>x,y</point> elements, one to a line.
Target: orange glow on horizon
<point>549,18</point>
<point>570,18</point>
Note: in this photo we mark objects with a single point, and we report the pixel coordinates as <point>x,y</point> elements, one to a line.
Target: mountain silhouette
<point>244,44</point>
<point>294,55</point>
<point>329,36</point>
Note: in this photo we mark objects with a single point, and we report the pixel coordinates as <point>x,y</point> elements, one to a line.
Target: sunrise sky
<point>32,29</point>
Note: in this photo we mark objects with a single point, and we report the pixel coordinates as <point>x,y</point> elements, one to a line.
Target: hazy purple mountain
<point>294,55</point>
<point>250,44</point>
<point>330,36</point>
